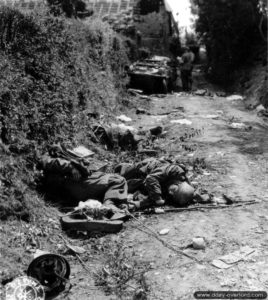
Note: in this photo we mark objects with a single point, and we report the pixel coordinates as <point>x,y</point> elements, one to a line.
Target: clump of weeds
<point>121,274</point>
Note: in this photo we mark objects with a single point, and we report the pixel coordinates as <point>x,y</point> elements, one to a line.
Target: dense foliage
<point>71,8</point>
<point>229,29</point>
<point>51,71</point>
<point>54,75</point>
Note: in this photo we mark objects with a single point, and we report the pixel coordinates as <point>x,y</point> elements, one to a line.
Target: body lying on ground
<point>117,136</point>
<point>159,179</point>
<point>70,177</point>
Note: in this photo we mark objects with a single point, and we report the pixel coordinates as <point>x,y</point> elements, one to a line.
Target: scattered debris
<point>159,210</point>
<point>174,111</point>
<point>240,126</point>
<point>135,92</point>
<point>123,118</point>
<point>140,111</point>
<point>159,117</point>
<point>210,116</point>
<point>151,232</point>
<point>227,261</point>
<point>238,255</point>
<point>260,108</point>
<point>163,134</point>
<point>124,127</point>
<point>180,108</point>
<point>235,98</point>
<point>228,282</point>
<point>156,130</point>
<point>76,249</point>
<point>89,204</point>
<point>181,94</point>
<point>81,151</point>
<point>220,264</point>
<point>221,94</point>
<point>182,122</point>
<point>219,200</point>
<point>200,92</point>
<point>199,243</point>
<point>164,231</point>
<point>145,97</point>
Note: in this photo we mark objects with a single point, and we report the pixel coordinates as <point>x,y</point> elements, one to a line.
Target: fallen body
<point>160,180</point>
<point>72,179</point>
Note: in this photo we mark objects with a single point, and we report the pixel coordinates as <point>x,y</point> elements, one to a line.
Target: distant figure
<point>138,38</point>
<point>186,66</point>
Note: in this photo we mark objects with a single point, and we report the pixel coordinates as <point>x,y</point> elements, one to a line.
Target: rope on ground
<point>155,235</point>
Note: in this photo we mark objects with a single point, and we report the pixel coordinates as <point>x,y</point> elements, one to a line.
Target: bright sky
<point>183,8</point>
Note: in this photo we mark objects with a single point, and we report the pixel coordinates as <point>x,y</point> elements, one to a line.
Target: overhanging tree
<point>228,28</point>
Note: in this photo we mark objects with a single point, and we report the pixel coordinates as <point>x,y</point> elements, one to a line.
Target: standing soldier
<point>186,62</point>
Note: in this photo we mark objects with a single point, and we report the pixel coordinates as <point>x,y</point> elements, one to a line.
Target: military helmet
<point>181,193</point>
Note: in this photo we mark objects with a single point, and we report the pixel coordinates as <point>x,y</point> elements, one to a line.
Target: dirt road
<point>234,162</point>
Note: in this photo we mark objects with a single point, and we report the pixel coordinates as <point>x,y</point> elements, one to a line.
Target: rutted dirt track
<point>236,164</point>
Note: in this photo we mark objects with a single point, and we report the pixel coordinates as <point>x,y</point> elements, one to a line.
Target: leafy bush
<point>53,74</point>
<point>71,8</point>
<point>51,71</point>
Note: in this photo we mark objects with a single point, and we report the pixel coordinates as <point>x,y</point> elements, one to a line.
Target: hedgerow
<point>54,73</point>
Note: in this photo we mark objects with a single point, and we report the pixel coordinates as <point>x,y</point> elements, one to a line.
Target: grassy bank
<point>55,76</point>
